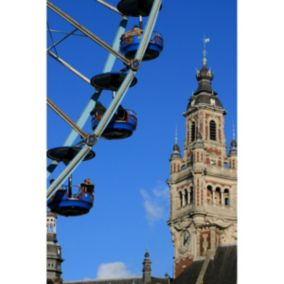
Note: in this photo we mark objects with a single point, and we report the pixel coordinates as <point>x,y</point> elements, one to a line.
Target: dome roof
<point>204,98</point>
<point>176,148</point>
<point>147,255</point>
<point>204,94</point>
<point>204,73</point>
<point>176,152</point>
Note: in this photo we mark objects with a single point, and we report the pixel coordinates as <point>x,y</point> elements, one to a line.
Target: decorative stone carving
<point>222,223</point>
<point>229,235</point>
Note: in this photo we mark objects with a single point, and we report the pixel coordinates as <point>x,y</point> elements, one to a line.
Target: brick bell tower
<point>203,181</point>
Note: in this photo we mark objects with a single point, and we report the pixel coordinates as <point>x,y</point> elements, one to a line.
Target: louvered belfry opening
<point>212,130</point>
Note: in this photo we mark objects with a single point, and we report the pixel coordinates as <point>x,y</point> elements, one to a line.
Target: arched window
<point>180,199</point>
<point>185,197</point>
<point>212,125</point>
<point>218,200</point>
<point>193,131</point>
<point>209,195</point>
<point>226,197</point>
<point>191,195</point>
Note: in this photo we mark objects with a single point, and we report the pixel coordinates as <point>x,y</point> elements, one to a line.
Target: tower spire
<point>206,40</point>
<point>146,268</point>
<point>234,132</point>
<point>176,136</point>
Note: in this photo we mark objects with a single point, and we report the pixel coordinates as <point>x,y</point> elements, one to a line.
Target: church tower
<point>203,181</point>
<point>54,258</point>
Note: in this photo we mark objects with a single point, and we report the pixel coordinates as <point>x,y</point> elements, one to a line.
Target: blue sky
<point>132,199</point>
<point>23,129</point>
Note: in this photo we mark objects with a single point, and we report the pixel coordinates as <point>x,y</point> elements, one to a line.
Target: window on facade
<point>191,195</point>
<point>185,197</point>
<point>180,199</point>
<point>193,131</point>
<point>209,195</point>
<point>226,165</point>
<point>212,130</point>
<point>226,197</point>
<point>218,200</point>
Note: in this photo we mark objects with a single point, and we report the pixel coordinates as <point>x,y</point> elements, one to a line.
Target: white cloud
<point>155,202</point>
<point>113,270</point>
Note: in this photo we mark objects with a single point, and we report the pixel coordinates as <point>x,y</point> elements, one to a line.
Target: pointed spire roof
<point>204,94</point>
<point>176,149</point>
<point>233,148</point>
<point>204,75</point>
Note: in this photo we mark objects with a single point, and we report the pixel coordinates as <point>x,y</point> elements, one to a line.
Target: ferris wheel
<point>131,47</point>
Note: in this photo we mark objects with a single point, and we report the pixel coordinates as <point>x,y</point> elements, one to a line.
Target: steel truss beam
<point>114,104</point>
<point>88,33</point>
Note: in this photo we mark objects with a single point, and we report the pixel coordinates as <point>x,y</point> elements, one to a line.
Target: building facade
<point>203,180</point>
<point>54,258</point>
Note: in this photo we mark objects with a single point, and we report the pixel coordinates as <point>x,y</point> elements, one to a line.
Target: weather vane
<point>206,40</point>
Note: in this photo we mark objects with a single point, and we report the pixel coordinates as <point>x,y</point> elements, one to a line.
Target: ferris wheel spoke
<point>68,66</point>
<point>92,102</point>
<point>111,7</point>
<point>51,37</point>
<point>88,33</point>
<point>61,40</point>
<point>114,104</point>
<point>148,30</point>
<point>67,119</point>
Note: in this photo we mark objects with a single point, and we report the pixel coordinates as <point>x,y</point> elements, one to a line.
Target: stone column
<point>212,238</point>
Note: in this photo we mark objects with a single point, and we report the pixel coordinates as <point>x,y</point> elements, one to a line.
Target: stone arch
<point>209,195</point>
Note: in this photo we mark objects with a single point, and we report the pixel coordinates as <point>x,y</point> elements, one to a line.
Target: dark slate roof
<point>223,269</point>
<point>156,280</point>
<point>108,281</point>
<point>190,275</point>
<point>205,99</point>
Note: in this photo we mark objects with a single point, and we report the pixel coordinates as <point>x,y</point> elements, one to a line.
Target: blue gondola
<point>66,153</point>
<point>135,8</point>
<point>130,41</point>
<point>66,201</point>
<point>110,81</point>
<point>71,204</point>
<point>122,125</point>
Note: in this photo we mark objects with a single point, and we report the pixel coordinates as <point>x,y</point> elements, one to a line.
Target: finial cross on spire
<point>206,40</point>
